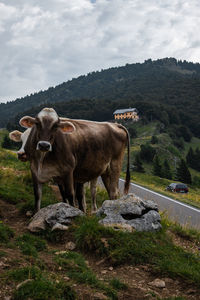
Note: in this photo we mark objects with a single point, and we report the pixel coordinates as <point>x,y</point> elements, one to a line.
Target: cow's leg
<point>68,184</point>
<point>37,188</point>
<point>62,192</point>
<point>80,195</point>
<point>93,189</point>
<point>111,179</point>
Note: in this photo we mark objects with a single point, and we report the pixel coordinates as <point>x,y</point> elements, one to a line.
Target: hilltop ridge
<point>164,81</point>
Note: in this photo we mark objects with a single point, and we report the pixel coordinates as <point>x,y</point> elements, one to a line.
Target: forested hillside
<point>167,90</point>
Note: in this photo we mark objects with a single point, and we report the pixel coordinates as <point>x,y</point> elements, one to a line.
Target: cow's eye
<point>55,126</point>
<point>38,124</point>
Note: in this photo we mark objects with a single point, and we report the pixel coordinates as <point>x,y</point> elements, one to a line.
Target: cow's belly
<point>85,173</point>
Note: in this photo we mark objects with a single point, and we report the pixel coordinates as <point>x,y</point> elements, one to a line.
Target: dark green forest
<point>166,90</point>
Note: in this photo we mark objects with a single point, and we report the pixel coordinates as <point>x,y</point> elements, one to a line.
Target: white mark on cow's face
<point>48,112</point>
<point>24,137</point>
<point>46,124</point>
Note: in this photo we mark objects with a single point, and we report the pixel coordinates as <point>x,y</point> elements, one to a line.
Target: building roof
<point>125,110</point>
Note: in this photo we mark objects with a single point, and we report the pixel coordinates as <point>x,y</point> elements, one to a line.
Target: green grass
<point>3,254</point>
<point>117,284</point>
<point>6,233</point>
<point>44,289</point>
<point>190,234</point>
<point>16,183</point>
<point>88,233</point>
<point>40,285</point>
<point>21,274</point>
<point>156,249</point>
<point>30,244</point>
<point>159,185</point>
<point>77,269</point>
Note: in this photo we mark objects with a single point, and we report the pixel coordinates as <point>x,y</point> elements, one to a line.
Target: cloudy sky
<point>46,42</point>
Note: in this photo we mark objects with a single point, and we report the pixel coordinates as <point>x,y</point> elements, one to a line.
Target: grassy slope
<point>165,150</point>
<point>33,258</point>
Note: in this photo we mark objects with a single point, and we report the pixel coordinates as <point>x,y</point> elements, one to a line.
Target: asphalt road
<point>177,211</point>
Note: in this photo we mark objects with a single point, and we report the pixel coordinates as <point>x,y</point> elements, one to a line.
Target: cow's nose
<point>44,146</point>
<point>22,156</point>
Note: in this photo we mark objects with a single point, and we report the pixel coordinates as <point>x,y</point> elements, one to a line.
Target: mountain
<point>163,89</point>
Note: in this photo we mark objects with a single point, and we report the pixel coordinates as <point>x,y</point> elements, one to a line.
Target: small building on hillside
<point>126,114</point>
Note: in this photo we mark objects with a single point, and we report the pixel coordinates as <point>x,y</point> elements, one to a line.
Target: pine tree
<point>190,157</point>
<point>154,139</point>
<point>166,170</point>
<point>157,168</point>
<point>138,164</point>
<point>183,173</point>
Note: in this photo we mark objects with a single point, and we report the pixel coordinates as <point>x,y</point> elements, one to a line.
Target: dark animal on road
<point>73,152</point>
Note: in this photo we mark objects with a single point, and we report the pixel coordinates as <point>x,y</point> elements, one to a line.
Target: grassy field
<point>159,185</point>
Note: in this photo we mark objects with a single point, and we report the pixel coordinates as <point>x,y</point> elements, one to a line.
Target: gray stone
<point>70,246</point>
<point>141,215</point>
<point>54,217</point>
<point>157,283</point>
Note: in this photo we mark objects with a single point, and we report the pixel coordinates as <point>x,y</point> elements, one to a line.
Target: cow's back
<point>95,145</point>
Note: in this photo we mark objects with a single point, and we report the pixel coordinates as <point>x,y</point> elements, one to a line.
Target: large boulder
<point>130,213</point>
<point>55,216</point>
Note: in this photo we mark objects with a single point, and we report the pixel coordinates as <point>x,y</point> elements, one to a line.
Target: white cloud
<point>44,43</point>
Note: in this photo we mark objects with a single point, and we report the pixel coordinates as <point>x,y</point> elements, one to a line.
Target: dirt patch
<point>11,216</point>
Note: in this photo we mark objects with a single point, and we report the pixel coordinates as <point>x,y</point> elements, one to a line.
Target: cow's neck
<point>40,164</point>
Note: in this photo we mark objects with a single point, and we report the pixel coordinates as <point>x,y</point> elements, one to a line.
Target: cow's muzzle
<point>22,156</point>
<point>44,146</point>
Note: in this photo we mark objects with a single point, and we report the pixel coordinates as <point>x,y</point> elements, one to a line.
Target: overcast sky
<point>46,42</point>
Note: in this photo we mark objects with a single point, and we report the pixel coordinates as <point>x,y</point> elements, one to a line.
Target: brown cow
<point>19,136</point>
<point>74,152</point>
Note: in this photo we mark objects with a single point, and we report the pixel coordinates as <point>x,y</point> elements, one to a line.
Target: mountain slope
<point>165,81</point>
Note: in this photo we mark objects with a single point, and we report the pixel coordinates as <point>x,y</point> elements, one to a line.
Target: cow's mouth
<point>22,157</point>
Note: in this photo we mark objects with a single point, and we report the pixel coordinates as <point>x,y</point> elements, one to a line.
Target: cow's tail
<point>128,176</point>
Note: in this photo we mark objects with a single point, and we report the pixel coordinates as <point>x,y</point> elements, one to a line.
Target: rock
<point>101,261</point>
<point>70,246</point>
<point>54,216</point>
<point>22,283</point>
<point>99,296</point>
<point>104,271</point>
<point>3,265</point>
<point>66,278</point>
<point>157,283</point>
<point>110,268</point>
<point>105,242</point>
<point>130,213</point>
<point>60,252</point>
<point>29,213</point>
<point>123,227</point>
<point>59,226</point>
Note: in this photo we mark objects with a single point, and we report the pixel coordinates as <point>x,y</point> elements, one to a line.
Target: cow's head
<point>19,136</point>
<point>46,124</point>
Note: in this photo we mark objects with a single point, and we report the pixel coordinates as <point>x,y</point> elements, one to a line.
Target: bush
<point>147,152</point>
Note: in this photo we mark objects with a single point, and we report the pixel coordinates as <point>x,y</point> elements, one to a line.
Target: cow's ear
<point>27,122</point>
<point>15,136</point>
<point>67,127</point>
